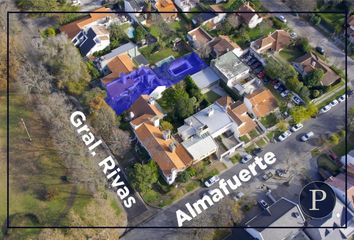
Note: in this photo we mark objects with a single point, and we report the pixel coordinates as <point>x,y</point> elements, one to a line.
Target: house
<point>135,9</point>
<point>338,185</point>
<point>129,48</point>
<point>230,68</point>
<point>328,228</point>
<point>219,10</point>
<point>167,6</point>
<point>281,213</point>
<point>351,29</point>
<point>199,38</point>
<point>120,64</point>
<point>251,19</point>
<point>349,160</point>
<point>223,44</point>
<point>274,42</point>
<point>170,156</point>
<point>186,5</point>
<point>94,39</point>
<point>309,62</point>
<point>205,79</point>
<point>261,103</point>
<point>73,29</point>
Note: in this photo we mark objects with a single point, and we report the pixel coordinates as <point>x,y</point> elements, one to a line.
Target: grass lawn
<point>326,163</point>
<point>269,121</point>
<point>161,54</point>
<point>245,139</point>
<point>250,148</point>
<point>211,96</point>
<point>254,134</point>
<point>335,96</point>
<point>290,54</point>
<point>236,158</point>
<point>332,21</point>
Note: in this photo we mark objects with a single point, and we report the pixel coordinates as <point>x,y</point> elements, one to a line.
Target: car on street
<point>263,204</point>
<point>296,127</point>
<point>320,50</point>
<point>280,172</point>
<point>334,103</point>
<point>285,93</point>
<point>207,193</point>
<point>211,181</point>
<point>307,136</point>
<point>341,98</point>
<point>325,109</point>
<point>277,85</point>
<point>258,70</point>
<point>246,158</point>
<point>284,135</point>
<point>350,92</point>
<point>296,100</point>
<point>237,196</point>
<point>256,65</point>
<point>261,74</point>
<point>282,18</point>
<point>293,35</point>
<point>256,151</point>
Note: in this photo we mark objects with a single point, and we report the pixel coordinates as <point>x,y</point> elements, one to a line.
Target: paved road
<point>334,55</point>
<point>291,149</point>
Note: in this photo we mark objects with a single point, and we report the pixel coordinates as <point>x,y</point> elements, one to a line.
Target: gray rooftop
<point>230,65</point>
<point>119,50</point>
<point>205,78</point>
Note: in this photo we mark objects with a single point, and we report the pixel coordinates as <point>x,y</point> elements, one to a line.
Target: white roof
<point>205,78</point>
<point>350,158</point>
<point>200,148</point>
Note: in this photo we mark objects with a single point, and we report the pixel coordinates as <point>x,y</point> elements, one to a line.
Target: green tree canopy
<point>144,175</point>
<point>314,78</point>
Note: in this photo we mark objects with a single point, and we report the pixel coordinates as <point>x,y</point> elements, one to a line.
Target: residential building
<point>281,213</point>
<point>135,9</point>
<point>309,62</point>
<point>338,185</point>
<point>351,29</point>
<point>199,38</point>
<point>348,162</point>
<point>73,29</point>
<point>119,64</point>
<point>209,19</point>
<point>94,39</point>
<point>223,44</point>
<point>261,103</point>
<point>251,19</point>
<point>220,12</point>
<point>170,156</point>
<point>230,68</point>
<point>328,228</point>
<point>274,42</point>
<point>167,6</point>
<point>186,5</point>
<point>205,79</point>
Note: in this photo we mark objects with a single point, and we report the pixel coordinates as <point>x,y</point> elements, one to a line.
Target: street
<point>334,55</point>
<point>292,149</point>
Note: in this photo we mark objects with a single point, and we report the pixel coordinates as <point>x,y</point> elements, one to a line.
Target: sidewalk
<point>327,96</point>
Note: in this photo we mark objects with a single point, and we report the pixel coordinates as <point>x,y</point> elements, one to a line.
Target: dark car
<point>266,80</point>
<point>350,92</point>
<point>256,151</point>
<point>258,70</point>
<point>281,88</point>
<point>252,61</point>
<point>320,50</point>
<point>256,65</point>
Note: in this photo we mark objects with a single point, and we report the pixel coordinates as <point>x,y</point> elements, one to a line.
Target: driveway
<point>291,153</point>
<point>334,55</point>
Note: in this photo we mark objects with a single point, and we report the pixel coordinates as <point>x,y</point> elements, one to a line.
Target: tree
<point>275,69</point>
<point>304,93</point>
<point>282,125</point>
<point>94,99</point>
<point>192,89</point>
<point>334,139</point>
<point>104,120</point>
<point>299,114</point>
<point>294,84</point>
<point>314,78</point>
<point>140,33</point>
<point>204,51</point>
<point>303,44</point>
<point>119,142</point>
<point>144,175</point>
<point>117,35</point>
<point>183,177</point>
<point>312,109</point>
<point>233,20</point>
<point>316,20</point>
<point>315,93</point>
<point>165,125</point>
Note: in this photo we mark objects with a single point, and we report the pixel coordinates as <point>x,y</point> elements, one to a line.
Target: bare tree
<point>233,20</point>
<point>204,51</point>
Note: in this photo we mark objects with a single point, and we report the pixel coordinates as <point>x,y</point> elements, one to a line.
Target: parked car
<point>280,172</point>
<point>296,127</point>
<point>325,109</point>
<point>261,74</point>
<point>251,61</point>
<point>350,92</point>
<point>246,158</point>
<point>285,93</point>
<point>263,204</point>
<point>293,35</point>
<point>256,151</point>
<point>282,18</point>
<point>284,135</point>
<point>307,136</point>
<point>256,65</point>
<point>258,70</point>
<point>207,193</point>
<point>266,80</point>
<point>334,103</point>
<point>281,88</point>
<point>277,85</point>
<point>296,100</point>
<point>342,98</point>
<point>320,50</point>
<point>238,195</point>
<point>267,175</point>
<point>211,181</point>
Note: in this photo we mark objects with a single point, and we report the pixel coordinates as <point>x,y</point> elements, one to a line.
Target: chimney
<point>166,134</point>
<point>189,122</point>
<point>151,101</point>
<point>210,112</point>
<point>313,63</point>
<point>172,147</point>
<point>131,115</point>
<point>156,121</point>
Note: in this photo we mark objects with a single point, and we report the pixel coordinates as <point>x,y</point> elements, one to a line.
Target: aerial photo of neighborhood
<point>177,119</point>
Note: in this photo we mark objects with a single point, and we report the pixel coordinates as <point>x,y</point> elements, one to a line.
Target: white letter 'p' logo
<point>317,196</point>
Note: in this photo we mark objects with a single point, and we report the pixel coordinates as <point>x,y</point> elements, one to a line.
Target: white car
<point>284,135</point>
<point>285,93</point>
<point>296,100</point>
<point>282,18</point>
<point>296,127</point>
<point>342,98</point>
<point>263,204</point>
<point>325,109</point>
<point>211,181</point>
<point>293,35</point>
<point>307,136</point>
<point>246,158</point>
<point>334,103</point>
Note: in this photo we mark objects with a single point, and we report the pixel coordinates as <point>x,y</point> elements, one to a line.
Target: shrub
<point>183,177</point>
<point>166,125</point>
<point>236,158</point>
<point>334,139</point>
